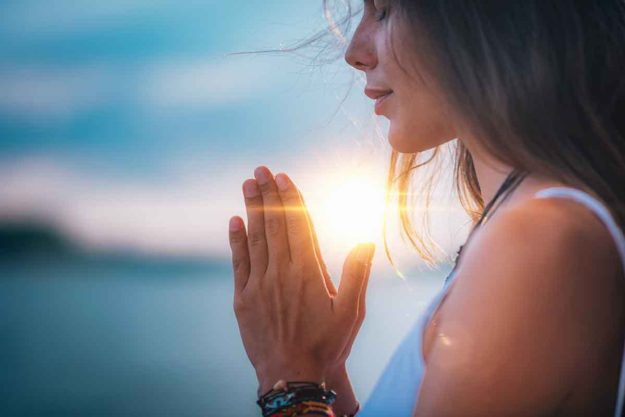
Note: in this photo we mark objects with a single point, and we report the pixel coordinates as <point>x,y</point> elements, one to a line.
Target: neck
<point>490,173</point>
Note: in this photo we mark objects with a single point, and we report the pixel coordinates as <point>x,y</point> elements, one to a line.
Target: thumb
<point>355,271</point>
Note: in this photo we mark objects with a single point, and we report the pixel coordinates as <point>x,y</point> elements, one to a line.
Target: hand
<point>294,324</point>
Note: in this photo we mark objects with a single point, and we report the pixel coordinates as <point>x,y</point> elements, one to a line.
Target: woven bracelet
<point>305,408</point>
<point>287,394</point>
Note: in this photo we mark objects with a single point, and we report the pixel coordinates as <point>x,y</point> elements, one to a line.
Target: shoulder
<point>516,322</point>
<point>553,236</point>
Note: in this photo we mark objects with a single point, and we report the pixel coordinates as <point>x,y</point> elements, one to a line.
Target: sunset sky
<point>128,124</point>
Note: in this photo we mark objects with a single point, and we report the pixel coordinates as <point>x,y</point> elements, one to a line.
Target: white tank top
<point>395,393</point>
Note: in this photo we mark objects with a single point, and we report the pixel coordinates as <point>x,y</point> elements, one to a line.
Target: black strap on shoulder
<point>507,186</point>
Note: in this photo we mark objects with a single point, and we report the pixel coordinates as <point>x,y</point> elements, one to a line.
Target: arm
<point>515,331</point>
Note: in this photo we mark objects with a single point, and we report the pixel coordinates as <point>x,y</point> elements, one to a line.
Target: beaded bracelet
<point>284,395</point>
<point>311,407</point>
<point>306,407</point>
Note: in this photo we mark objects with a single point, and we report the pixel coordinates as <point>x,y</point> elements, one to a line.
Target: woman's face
<point>414,106</point>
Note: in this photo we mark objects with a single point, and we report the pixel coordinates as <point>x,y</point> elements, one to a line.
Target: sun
<point>349,209</point>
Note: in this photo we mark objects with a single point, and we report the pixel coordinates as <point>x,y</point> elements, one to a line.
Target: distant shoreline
<point>28,243</point>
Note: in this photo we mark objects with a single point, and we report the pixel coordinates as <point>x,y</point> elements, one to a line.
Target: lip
<point>380,96</point>
<point>375,93</point>
<point>380,101</point>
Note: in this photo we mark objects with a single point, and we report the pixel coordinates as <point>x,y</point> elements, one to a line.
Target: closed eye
<point>380,12</point>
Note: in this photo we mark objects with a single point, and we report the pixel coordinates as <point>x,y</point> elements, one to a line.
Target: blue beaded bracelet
<point>286,394</point>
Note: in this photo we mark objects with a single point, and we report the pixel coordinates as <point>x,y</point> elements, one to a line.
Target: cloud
<point>53,93</point>
<point>207,82</point>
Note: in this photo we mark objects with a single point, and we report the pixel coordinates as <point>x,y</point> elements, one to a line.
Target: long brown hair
<point>539,82</point>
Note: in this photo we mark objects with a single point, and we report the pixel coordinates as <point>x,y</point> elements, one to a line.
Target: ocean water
<point>142,338</point>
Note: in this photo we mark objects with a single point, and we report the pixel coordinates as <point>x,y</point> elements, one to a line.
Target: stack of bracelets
<point>292,399</point>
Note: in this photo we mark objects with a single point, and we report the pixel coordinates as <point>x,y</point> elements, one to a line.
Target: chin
<point>411,141</point>
<point>405,142</point>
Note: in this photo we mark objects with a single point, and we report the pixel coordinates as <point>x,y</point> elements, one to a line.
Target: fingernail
<point>250,189</point>
<point>282,181</point>
<point>365,252</point>
<point>262,175</point>
<point>235,224</point>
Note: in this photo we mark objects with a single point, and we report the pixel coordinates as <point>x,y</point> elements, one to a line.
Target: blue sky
<point>118,80</point>
<point>128,124</point>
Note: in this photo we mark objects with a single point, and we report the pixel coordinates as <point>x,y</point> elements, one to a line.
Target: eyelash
<point>381,15</point>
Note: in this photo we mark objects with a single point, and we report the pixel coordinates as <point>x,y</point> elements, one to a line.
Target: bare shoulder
<point>528,305</point>
<point>547,249</point>
<point>561,218</point>
<point>553,234</point>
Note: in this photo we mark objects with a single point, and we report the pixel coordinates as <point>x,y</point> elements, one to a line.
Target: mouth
<point>380,96</point>
<point>375,94</point>
<point>379,101</point>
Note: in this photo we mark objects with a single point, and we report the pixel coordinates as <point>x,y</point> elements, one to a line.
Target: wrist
<point>268,376</point>
<point>336,373</point>
<point>338,380</point>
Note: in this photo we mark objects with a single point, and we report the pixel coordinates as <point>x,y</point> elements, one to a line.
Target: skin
<point>294,323</point>
<point>535,321</point>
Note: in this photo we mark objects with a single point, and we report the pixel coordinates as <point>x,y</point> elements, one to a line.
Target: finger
<point>300,240</point>
<point>256,241</point>
<point>275,227</point>
<point>240,255</point>
<point>326,276</point>
<point>360,317</point>
<point>353,278</point>
<point>362,298</point>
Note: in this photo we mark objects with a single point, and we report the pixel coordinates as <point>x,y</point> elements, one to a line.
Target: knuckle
<point>273,226</point>
<point>289,200</point>
<point>239,306</point>
<point>252,202</point>
<point>255,207</point>
<point>266,188</point>
<point>256,238</point>
<point>239,263</point>
<point>237,238</point>
<point>293,224</point>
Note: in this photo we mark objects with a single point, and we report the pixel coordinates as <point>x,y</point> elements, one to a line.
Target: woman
<point>531,322</point>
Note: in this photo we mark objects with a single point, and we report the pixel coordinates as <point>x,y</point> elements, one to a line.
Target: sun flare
<point>349,209</point>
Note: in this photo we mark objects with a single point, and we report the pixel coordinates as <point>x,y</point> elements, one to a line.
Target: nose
<point>360,52</point>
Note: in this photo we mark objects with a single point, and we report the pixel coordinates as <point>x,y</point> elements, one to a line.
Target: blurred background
<point>126,130</point>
